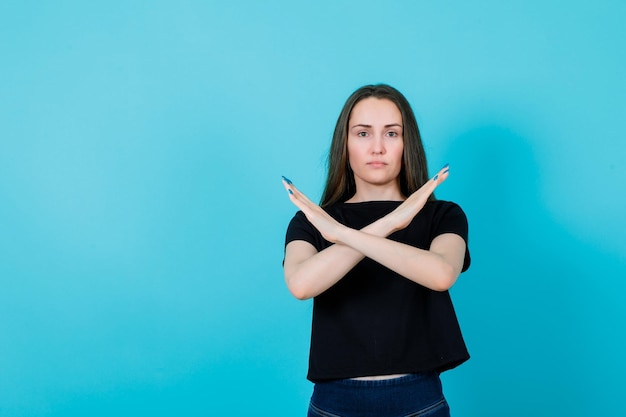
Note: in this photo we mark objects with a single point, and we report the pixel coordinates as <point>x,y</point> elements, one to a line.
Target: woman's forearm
<point>437,271</point>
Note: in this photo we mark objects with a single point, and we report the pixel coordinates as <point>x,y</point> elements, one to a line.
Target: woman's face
<point>375,142</point>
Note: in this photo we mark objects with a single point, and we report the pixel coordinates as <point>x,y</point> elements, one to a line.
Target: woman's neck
<point>376,193</point>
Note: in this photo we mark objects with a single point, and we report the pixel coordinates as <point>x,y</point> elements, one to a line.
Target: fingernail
<point>445,166</point>
<point>287,180</point>
<point>290,192</point>
<point>446,171</point>
<point>436,177</point>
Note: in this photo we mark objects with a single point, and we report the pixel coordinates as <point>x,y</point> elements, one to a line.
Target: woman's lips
<point>376,164</point>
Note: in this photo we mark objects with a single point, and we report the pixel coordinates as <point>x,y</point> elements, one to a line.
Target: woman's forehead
<point>375,111</point>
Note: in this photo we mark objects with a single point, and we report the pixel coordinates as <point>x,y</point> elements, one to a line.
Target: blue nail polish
<point>290,192</point>
<point>445,166</point>
<point>287,180</point>
<point>436,177</point>
<point>446,171</point>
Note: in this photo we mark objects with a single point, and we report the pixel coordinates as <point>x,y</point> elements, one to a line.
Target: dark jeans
<point>415,395</point>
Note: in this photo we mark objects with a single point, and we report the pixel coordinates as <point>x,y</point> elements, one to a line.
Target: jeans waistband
<point>400,396</point>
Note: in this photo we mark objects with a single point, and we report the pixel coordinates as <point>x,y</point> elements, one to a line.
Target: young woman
<point>378,256</point>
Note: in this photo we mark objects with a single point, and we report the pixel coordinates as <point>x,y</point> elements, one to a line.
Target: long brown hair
<point>340,185</point>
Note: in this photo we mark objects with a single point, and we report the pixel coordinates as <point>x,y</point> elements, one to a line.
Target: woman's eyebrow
<point>369,126</point>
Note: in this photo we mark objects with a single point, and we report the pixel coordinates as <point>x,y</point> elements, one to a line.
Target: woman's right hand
<point>402,216</point>
<point>322,221</point>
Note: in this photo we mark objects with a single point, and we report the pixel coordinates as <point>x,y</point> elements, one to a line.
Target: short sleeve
<point>450,218</point>
<point>301,229</point>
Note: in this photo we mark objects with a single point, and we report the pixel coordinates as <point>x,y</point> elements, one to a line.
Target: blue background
<point>142,216</point>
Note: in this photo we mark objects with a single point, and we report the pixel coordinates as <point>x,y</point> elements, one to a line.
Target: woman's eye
<point>392,134</point>
<point>362,134</point>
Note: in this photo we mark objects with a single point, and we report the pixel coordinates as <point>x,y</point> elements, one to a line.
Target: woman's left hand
<point>322,221</point>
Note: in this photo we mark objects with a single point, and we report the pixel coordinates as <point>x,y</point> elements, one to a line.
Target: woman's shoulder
<point>437,208</point>
<point>442,205</point>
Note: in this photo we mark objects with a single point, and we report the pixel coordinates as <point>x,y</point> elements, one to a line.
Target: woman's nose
<point>378,146</point>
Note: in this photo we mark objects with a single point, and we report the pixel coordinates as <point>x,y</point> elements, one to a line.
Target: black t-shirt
<point>374,321</point>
